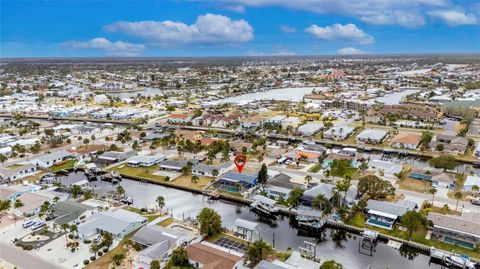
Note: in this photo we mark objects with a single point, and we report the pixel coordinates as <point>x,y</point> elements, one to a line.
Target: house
<point>179,118</point>
<point>188,134</point>
<point>449,143</point>
<point>90,151</point>
<point>310,129</point>
<point>231,180</point>
<point>252,122</point>
<point>111,157</point>
<point>371,136</point>
<point>157,243</point>
<point>207,170</point>
<point>471,181</point>
<point>457,230</point>
<point>17,171</point>
<point>119,223</point>
<point>384,214</point>
<point>276,120</point>
<point>176,165</point>
<point>155,136</point>
<point>386,168</point>
<point>291,122</point>
<point>206,255</point>
<point>145,161</point>
<point>32,201</point>
<point>406,141</point>
<point>295,261</point>
<point>279,185</point>
<point>299,153</point>
<point>47,160</point>
<point>327,190</point>
<point>68,211</point>
<point>338,133</point>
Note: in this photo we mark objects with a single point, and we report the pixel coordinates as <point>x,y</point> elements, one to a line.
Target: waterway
<point>285,94</point>
<point>331,244</point>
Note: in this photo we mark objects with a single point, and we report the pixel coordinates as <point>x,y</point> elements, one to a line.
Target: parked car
<point>38,225</point>
<point>475,201</point>
<point>28,224</point>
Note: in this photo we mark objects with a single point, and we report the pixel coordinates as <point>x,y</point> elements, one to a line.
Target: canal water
<point>331,244</point>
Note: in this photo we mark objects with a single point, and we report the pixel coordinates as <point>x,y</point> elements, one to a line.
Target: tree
<point>458,195</point>
<point>179,257</point>
<point>210,222</point>
<point>121,191</point>
<point>308,179</point>
<point>94,247</point>
<point>73,228</point>
<point>86,141</point>
<point>343,186</point>
<point>215,173</point>
<point>18,203</point>
<point>155,264</point>
<point>320,201</point>
<point>445,161</point>
<point>75,191</point>
<point>160,202</point>
<point>195,179</point>
<point>107,239</point>
<point>412,220</point>
<point>340,168</point>
<point>432,191</point>
<point>118,258</point>
<point>258,251</point>
<point>363,167</point>
<point>295,196</point>
<point>263,176</point>
<point>475,188</point>
<point>5,205</point>
<point>87,195</point>
<point>331,264</point>
<point>425,139</point>
<point>375,187</point>
<point>93,139</point>
<point>3,158</point>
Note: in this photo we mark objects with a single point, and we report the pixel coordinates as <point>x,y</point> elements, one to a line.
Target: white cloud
<point>208,29</point>
<point>236,8</point>
<point>288,29</point>
<point>280,52</point>
<point>407,13</point>
<point>118,48</point>
<point>454,17</point>
<point>348,33</point>
<point>350,51</point>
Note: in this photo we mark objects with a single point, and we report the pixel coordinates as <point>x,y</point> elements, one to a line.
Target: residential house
<point>232,180</point>
<point>385,214</point>
<point>207,255</point>
<point>176,165</point>
<point>310,129</point>
<point>90,151</point>
<point>450,143</point>
<point>338,133</point>
<point>119,223</point>
<point>299,154</point>
<point>47,160</point>
<point>385,168</point>
<point>456,230</point>
<point>291,122</point>
<point>327,191</point>
<point>203,170</point>
<point>279,185</point>
<point>372,136</point>
<point>472,180</point>
<point>17,171</point>
<point>188,135</point>
<point>111,157</point>
<point>252,122</point>
<point>145,161</point>
<point>406,141</point>
<point>179,118</point>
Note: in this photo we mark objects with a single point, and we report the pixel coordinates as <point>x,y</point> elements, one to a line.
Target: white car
<point>38,225</point>
<point>28,224</point>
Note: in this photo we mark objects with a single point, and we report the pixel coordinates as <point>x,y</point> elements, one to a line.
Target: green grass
<point>165,222</point>
<point>64,165</point>
<point>15,165</point>
<point>144,172</point>
<point>315,168</point>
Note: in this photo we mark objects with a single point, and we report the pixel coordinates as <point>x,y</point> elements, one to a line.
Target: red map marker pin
<point>240,161</point>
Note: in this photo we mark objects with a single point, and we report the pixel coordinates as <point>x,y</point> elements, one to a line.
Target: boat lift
<point>368,242</point>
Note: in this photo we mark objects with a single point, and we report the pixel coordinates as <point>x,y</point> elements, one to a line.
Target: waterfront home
<point>176,165</point>
<point>155,136</point>
<point>145,161</point>
<point>449,143</point>
<point>276,120</point>
<point>231,181</point>
<point>437,178</point>
<point>457,230</point>
<point>32,201</point>
<point>111,157</point>
<point>406,141</point>
<point>207,170</point>
<point>279,185</point>
<point>371,136</point>
<point>291,122</point>
<point>89,151</point>
<point>47,160</point>
<point>207,255</point>
<point>252,122</point>
<point>300,154</point>
<point>311,128</point>
<point>328,191</point>
<point>472,180</point>
<point>69,211</point>
<point>387,169</point>
<point>295,261</point>
<point>157,243</point>
<point>179,118</point>
<point>119,223</point>
<point>338,133</point>
<point>385,214</point>
<point>188,134</point>
<point>17,171</point>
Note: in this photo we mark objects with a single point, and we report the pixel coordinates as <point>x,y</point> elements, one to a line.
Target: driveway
<point>24,259</point>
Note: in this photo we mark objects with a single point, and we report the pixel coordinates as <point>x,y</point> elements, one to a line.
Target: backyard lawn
<point>315,168</point>
<point>415,185</point>
<point>186,181</point>
<point>145,172</point>
<point>63,165</point>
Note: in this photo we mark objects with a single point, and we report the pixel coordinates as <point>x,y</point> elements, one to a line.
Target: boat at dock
<point>264,205</point>
<point>452,259</point>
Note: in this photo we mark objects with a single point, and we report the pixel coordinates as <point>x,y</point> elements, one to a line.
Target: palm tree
<point>121,191</point>
<point>56,199</point>
<point>432,191</point>
<point>75,191</point>
<point>160,202</point>
<point>118,258</point>
<point>18,203</point>
<point>458,195</point>
<point>65,227</point>
<point>475,188</point>
<point>319,202</point>
<point>363,167</point>
<point>73,229</point>
<point>94,247</point>
<point>343,186</point>
<point>308,179</point>
<point>326,173</point>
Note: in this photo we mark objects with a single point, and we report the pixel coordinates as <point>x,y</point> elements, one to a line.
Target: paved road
<point>439,201</point>
<point>24,259</point>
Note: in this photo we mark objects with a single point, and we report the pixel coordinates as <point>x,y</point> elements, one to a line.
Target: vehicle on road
<point>28,224</point>
<point>38,225</point>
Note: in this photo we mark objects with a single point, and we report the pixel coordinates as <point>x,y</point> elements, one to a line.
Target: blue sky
<point>70,28</point>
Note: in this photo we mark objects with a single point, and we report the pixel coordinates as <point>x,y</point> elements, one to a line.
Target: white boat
<point>452,259</point>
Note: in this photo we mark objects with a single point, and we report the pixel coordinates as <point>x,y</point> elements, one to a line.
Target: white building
<point>118,223</point>
<point>310,129</point>
<point>338,132</point>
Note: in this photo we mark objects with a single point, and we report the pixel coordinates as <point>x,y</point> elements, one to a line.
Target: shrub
<point>100,253</point>
<point>92,258</point>
<point>105,250</point>
<point>86,262</point>
<point>87,241</point>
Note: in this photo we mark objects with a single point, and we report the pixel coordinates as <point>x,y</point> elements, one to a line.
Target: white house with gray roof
<point>145,161</point>
<point>372,136</point>
<point>385,214</point>
<point>47,160</point>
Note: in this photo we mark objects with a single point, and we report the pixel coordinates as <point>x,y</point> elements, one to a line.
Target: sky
<point>102,28</point>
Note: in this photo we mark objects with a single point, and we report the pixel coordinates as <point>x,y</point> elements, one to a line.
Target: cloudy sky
<point>237,27</point>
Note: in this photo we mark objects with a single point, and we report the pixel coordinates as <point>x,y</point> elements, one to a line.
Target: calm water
<point>286,94</point>
<point>332,244</point>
